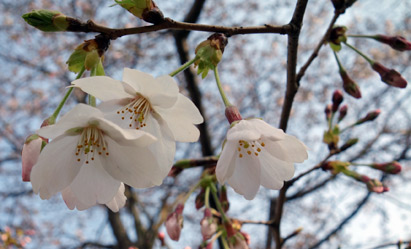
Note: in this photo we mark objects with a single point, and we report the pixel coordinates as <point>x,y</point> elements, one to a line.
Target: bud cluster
<point>373,185</point>
<point>389,76</point>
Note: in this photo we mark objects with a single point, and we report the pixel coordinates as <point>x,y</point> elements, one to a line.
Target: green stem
<point>225,243</point>
<point>191,191</point>
<point>360,53</point>
<point>330,122</point>
<point>183,67</point>
<point>340,66</point>
<point>92,100</point>
<point>53,117</point>
<point>220,88</point>
<point>207,197</point>
<point>217,202</point>
<point>362,36</point>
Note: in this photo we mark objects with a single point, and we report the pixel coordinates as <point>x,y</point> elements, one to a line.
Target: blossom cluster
<point>128,139</point>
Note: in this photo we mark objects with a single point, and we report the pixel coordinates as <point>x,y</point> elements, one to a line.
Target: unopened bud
<point>161,236</point>
<point>209,53</point>
<point>143,9</point>
<point>389,76</point>
<point>376,186</point>
<point>199,201</point>
<point>349,144</point>
<point>208,225</point>
<point>174,223</point>
<point>342,112</point>
<point>389,168</point>
<point>396,42</point>
<point>337,99</point>
<point>46,20</point>
<point>232,114</point>
<point>350,86</point>
<point>369,117</point>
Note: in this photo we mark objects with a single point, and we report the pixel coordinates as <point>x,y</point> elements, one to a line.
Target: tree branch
<point>170,24</point>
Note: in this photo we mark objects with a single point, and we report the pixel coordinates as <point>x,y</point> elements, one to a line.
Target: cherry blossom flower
<point>89,157</point>
<point>208,225</point>
<point>154,105</point>
<point>255,154</point>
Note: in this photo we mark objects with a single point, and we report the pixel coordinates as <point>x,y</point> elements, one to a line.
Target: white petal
<point>71,200</point>
<point>252,130</point>
<point>76,117</point>
<point>118,201</point>
<point>165,146</point>
<point>181,118</point>
<point>93,185</point>
<point>135,166</point>
<point>226,162</point>
<point>267,130</point>
<point>274,171</point>
<point>137,80</point>
<point>289,149</point>
<point>165,94</point>
<point>126,137</point>
<point>102,87</point>
<point>56,167</point>
<point>246,177</point>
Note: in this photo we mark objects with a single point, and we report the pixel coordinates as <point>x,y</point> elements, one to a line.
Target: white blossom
<point>155,105</point>
<point>255,154</point>
<point>89,157</point>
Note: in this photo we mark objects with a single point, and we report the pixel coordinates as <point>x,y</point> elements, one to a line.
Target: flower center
<point>246,148</point>
<point>90,144</point>
<point>136,112</point>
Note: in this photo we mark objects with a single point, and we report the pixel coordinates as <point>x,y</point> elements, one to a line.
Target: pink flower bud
<point>343,112</point>
<point>349,144</point>
<point>337,99</point>
<point>232,114</point>
<point>199,201</point>
<point>390,167</point>
<point>350,86</point>
<point>396,42</point>
<point>376,186</point>
<point>174,223</point>
<point>208,225</point>
<point>389,76</point>
<point>369,117</point>
<point>30,154</point>
<point>161,236</point>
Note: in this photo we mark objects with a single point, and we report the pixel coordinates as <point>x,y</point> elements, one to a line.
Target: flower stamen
<point>91,142</point>
<point>252,148</point>
<point>136,110</point>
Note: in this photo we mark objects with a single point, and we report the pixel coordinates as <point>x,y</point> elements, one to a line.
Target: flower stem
<point>191,191</point>
<point>53,117</point>
<point>360,53</point>
<point>225,244</point>
<point>220,88</point>
<point>217,202</point>
<point>207,197</point>
<point>183,67</point>
<point>340,66</point>
<point>362,36</point>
